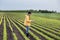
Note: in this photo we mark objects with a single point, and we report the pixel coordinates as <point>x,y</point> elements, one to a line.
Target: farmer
<point>27,22</point>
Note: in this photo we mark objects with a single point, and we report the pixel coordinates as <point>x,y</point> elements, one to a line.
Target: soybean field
<point>46,26</point>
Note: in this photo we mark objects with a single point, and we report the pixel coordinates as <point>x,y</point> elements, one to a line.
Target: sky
<point>30,4</point>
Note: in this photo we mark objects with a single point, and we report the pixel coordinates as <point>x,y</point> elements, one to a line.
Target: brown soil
<point>1,30</point>
<point>30,36</point>
<point>9,32</point>
<point>16,31</point>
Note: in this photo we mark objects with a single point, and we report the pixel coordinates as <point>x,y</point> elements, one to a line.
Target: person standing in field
<point>27,23</point>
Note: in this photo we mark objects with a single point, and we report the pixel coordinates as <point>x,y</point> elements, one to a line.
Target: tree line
<point>35,11</point>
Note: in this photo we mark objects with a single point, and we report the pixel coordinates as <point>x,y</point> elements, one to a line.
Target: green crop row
<point>42,21</point>
<point>47,29</point>
<point>52,34</point>
<point>4,30</point>
<point>20,30</point>
<point>48,38</point>
<point>14,35</point>
<point>39,22</point>
<point>36,37</point>
<point>46,23</point>
<point>48,33</point>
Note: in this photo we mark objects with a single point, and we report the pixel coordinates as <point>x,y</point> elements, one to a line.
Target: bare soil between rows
<point>1,30</point>
<point>9,32</point>
<point>41,37</point>
<point>48,30</point>
<point>31,37</point>
<point>16,31</point>
<point>46,34</point>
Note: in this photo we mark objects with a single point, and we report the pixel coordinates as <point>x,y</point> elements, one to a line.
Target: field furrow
<point>39,33</point>
<point>54,29</point>
<point>19,32</point>
<point>32,35</point>
<point>1,30</point>
<point>14,35</point>
<point>4,30</point>
<point>43,26</point>
<point>47,29</point>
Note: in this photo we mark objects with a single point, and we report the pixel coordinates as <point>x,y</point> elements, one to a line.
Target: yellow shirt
<point>27,21</point>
